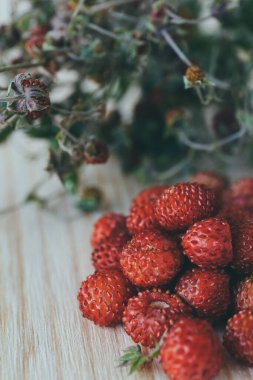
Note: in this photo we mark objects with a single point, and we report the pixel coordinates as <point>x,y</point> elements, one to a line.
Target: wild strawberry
<point>142,215</point>
<point>148,315</point>
<point>234,216</point>
<point>95,151</point>
<point>107,253</point>
<point>238,338</point>
<point>35,41</point>
<point>210,179</point>
<point>149,193</point>
<point>102,297</point>
<point>141,218</point>
<point>240,194</point>
<point>191,351</point>
<point>208,243</point>
<point>105,225</point>
<point>244,294</point>
<point>151,259</point>
<point>179,206</point>
<point>242,238</point>
<point>206,291</point>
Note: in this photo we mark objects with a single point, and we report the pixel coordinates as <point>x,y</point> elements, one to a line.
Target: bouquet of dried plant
<point>166,85</point>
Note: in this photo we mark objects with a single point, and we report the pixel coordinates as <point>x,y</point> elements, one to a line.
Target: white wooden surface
<point>43,258</point>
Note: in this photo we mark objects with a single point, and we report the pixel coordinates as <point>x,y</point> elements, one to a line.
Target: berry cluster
<point>181,262</point>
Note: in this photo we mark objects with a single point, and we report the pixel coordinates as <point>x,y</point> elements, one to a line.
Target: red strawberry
<point>150,313</point>
<point>234,216</point>
<point>243,248</point>
<point>206,291</point>
<point>179,206</point>
<point>151,259</point>
<point>210,179</point>
<point>238,338</point>
<point>240,194</point>
<point>95,151</point>
<point>142,218</point>
<point>102,297</point>
<point>142,214</point>
<point>107,253</point>
<point>148,194</point>
<point>105,225</point>
<point>191,351</point>
<point>208,243</point>
<point>244,294</point>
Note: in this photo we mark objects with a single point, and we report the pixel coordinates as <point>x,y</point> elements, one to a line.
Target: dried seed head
<point>32,96</point>
<point>194,76</point>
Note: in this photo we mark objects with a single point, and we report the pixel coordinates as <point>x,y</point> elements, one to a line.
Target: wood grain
<point>43,258</point>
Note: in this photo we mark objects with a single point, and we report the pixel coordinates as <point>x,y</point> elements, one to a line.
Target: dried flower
<point>32,96</point>
<point>194,76</point>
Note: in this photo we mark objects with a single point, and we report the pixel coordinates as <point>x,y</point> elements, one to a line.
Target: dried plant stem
<point>106,5</point>
<point>25,65</point>
<point>212,146</point>
<point>175,47</point>
<point>67,133</point>
<point>8,122</point>
<point>10,98</point>
<point>103,31</point>
<point>167,37</point>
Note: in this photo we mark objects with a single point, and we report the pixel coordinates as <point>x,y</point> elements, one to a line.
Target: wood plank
<point>43,258</point>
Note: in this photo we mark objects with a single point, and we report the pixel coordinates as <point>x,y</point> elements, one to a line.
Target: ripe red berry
<point>148,315</point>
<point>240,194</point>
<point>148,194</point>
<point>107,253</point>
<point>142,214</point>
<point>242,240</point>
<point>208,243</point>
<point>234,216</point>
<point>244,294</point>
<point>151,259</point>
<point>95,152</point>
<point>180,206</point>
<point>141,218</point>
<point>102,297</point>
<point>105,225</point>
<point>210,179</point>
<point>238,338</point>
<point>207,291</point>
<point>191,351</point>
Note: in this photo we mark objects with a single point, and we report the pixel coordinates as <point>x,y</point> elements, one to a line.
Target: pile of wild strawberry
<point>181,262</point>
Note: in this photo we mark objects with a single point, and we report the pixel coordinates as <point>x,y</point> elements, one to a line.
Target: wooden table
<point>43,258</point>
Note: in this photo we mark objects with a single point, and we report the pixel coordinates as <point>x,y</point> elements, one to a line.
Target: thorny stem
<point>24,65</point>
<point>212,146</point>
